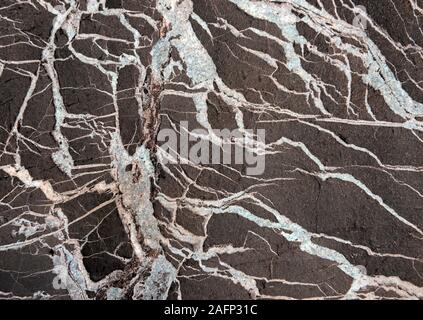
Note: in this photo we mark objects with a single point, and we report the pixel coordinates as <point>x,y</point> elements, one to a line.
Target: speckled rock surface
<point>211,149</point>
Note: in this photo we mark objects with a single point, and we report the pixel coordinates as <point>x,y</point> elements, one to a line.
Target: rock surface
<point>321,99</point>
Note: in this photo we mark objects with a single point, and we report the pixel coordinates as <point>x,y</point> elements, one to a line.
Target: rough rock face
<point>211,149</point>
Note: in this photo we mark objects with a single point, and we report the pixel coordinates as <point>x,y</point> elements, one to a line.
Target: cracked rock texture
<point>90,209</point>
